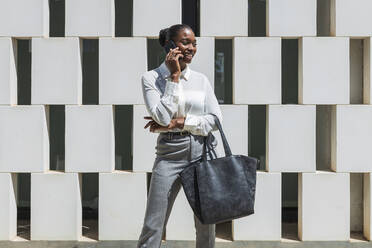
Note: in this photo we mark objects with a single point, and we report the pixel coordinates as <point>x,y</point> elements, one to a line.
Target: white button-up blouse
<point>192,97</point>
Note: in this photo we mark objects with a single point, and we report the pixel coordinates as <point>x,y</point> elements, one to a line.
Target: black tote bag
<point>221,189</point>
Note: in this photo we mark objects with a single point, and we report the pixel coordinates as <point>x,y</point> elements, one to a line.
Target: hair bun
<point>163,36</point>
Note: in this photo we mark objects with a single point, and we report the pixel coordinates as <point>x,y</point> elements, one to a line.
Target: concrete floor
<point>90,236</point>
<point>184,244</point>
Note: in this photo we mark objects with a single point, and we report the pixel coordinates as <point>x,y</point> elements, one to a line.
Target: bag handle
<point>226,145</point>
<point>211,149</point>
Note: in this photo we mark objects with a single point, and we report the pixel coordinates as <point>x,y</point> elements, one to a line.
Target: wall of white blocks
<point>294,87</point>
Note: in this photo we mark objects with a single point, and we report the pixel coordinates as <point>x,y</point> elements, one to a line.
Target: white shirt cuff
<point>191,122</point>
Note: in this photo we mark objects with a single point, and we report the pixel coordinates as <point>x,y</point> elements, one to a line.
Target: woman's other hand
<point>154,126</point>
<point>172,62</point>
<point>177,123</point>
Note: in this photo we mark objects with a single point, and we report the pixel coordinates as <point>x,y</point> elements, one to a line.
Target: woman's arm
<point>161,109</point>
<point>203,124</point>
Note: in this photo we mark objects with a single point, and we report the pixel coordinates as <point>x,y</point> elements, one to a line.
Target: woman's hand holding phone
<point>172,62</point>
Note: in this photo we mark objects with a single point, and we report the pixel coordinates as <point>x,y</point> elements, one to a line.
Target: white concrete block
<point>24,144</point>
<point>324,206</point>
<point>223,18</point>
<point>118,85</point>
<point>367,216</point>
<point>350,18</point>
<point>181,225</point>
<point>291,18</point>
<point>8,72</point>
<point>56,211</point>
<point>90,142</point>
<point>24,18</point>
<point>351,138</point>
<point>324,70</point>
<point>56,76</point>
<point>90,18</point>
<point>290,138</point>
<point>144,141</point>
<point>203,60</point>
<point>8,206</point>
<point>257,70</point>
<point>145,10</point>
<point>122,205</point>
<point>266,221</point>
<point>236,132</point>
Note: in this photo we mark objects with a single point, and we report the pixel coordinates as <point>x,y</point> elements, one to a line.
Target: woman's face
<point>186,42</point>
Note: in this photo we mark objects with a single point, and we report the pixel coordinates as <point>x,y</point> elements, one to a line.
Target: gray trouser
<point>173,154</point>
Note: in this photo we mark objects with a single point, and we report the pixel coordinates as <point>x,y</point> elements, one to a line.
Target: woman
<point>179,101</point>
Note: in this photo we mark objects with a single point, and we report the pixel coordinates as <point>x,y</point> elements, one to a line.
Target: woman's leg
<point>172,197</point>
<point>165,184</point>
<point>162,193</point>
<point>170,159</point>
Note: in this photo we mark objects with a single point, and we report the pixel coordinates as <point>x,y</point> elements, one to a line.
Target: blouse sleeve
<point>161,109</point>
<point>203,124</point>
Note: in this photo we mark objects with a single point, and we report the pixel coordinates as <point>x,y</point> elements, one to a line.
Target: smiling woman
<point>175,90</point>
<point>180,102</point>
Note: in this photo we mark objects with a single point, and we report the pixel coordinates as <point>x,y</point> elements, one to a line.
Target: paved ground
<point>289,240</point>
<point>184,244</point>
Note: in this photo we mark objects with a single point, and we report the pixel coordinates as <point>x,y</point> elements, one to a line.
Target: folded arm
<point>161,109</point>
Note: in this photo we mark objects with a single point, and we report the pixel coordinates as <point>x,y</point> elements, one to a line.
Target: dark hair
<point>171,32</point>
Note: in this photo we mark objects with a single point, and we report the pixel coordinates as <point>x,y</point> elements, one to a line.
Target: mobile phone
<point>170,45</point>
